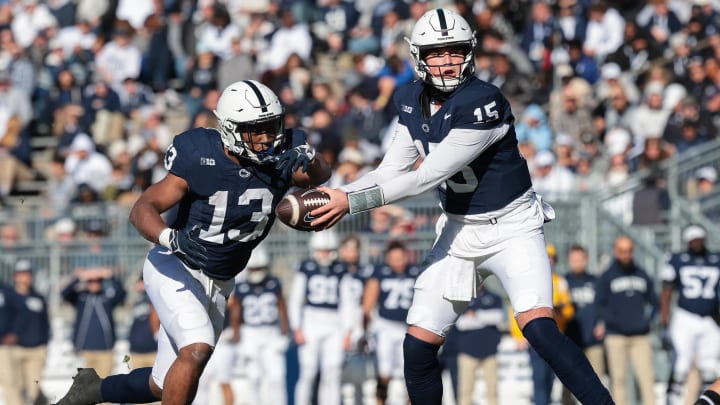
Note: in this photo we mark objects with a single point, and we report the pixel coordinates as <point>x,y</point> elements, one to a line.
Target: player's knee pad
<point>422,371</point>
<point>708,397</point>
<point>567,361</point>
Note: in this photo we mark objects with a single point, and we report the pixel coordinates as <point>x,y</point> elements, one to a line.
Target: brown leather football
<point>294,209</point>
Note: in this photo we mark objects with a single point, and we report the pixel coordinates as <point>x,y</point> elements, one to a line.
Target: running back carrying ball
<point>294,209</point>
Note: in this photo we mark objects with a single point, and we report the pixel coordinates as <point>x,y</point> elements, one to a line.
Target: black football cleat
<point>85,389</point>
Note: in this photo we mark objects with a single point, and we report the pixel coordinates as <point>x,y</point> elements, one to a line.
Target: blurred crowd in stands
<point>600,89</point>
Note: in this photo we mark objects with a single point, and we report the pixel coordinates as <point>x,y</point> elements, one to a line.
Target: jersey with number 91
<point>497,176</point>
<point>234,205</point>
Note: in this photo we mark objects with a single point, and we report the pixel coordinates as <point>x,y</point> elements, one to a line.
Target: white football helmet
<point>258,266</point>
<point>249,106</point>
<point>324,245</point>
<point>440,28</point>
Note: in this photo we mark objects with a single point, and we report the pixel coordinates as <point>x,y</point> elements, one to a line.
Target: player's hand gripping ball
<point>294,209</point>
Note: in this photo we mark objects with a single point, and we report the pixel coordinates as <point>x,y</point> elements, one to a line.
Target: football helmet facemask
<point>258,266</point>
<point>323,246</point>
<point>251,108</point>
<point>442,28</point>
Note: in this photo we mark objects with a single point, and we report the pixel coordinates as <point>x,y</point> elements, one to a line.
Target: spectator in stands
<point>85,165</point>
<point>120,58</point>
<point>705,183</point>
<point>14,162</point>
<point>217,36</point>
<point>588,173</point>
<point>690,136</point>
<point>291,37</point>
<point>655,151</point>
<point>351,165</point>
<point>583,65</point>
<point>478,337</point>
<point>32,328</point>
<point>201,77</point>
<point>9,378</point>
<point>94,293</point>
<point>334,26</point>
<point>580,328</point>
<point>238,64</point>
<point>686,109</point>
<point>565,152</point>
<point>144,327</point>
<point>552,181</point>
<point>29,20</point>
<point>534,128</point>
<point>101,112</point>
<point>624,297</point>
<point>516,85</point>
<point>604,33</point>
<point>13,246</point>
<point>571,21</point>
<point>15,100</point>
<point>651,203</point>
<point>573,117</point>
<point>537,35</point>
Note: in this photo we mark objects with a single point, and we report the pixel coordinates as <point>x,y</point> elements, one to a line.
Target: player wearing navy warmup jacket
<point>226,182</point>
<point>695,336</point>
<point>463,129</point>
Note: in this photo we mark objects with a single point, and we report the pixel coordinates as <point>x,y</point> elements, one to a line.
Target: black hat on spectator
<point>95,227</point>
<point>23,266</point>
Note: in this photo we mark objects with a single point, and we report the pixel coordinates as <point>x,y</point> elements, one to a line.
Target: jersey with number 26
<point>260,301</point>
<point>233,204</point>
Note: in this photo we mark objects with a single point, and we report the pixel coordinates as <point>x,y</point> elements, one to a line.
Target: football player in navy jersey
<point>390,289</point>
<point>320,320</point>
<point>695,336</point>
<point>226,182</point>
<point>463,129</point>
<point>260,322</point>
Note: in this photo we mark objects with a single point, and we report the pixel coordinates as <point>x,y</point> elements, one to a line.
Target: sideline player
<point>492,222</point>
<point>259,322</point>
<point>695,336</point>
<point>226,182</point>
<point>316,308</point>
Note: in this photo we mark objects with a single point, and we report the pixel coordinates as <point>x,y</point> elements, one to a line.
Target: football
<point>294,209</point>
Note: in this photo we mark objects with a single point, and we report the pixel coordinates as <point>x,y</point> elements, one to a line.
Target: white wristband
<point>164,237</point>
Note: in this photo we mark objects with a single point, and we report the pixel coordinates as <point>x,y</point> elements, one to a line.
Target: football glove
<point>186,246</point>
<point>295,158</point>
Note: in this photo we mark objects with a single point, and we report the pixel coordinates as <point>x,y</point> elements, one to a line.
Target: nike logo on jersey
<point>165,252</point>
<point>207,161</point>
<point>448,115</point>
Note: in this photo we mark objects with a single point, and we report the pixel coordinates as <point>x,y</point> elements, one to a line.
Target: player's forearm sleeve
<point>456,151</point>
<point>297,293</point>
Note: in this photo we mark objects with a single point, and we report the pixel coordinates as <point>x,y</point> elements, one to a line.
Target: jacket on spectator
<point>32,324</point>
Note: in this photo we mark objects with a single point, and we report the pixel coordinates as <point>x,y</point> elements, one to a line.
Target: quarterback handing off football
<point>294,209</point>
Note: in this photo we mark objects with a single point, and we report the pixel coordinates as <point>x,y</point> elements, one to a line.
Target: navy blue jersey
<point>6,309</point>
<point>233,204</point>
<point>358,279</point>
<point>696,278</point>
<point>141,336</point>
<point>396,291</point>
<point>483,341</point>
<point>625,300</point>
<point>32,324</point>
<point>582,292</point>
<point>498,175</point>
<point>260,301</point>
<point>322,283</point>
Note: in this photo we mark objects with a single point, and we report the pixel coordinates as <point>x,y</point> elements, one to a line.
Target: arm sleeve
<point>456,151</point>
<point>400,158</point>
<point>297,293</point>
